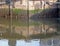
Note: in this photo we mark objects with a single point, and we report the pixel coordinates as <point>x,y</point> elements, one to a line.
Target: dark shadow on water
<point>46,14</point>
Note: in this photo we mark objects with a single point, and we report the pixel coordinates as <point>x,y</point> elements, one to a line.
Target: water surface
<point>31,42</point>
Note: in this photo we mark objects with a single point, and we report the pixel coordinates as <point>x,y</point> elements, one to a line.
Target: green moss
<point>35,11</point>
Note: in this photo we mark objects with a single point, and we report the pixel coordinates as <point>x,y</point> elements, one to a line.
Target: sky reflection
<point>25,43</point>
<point>4,42</point>
<point>33,42</point>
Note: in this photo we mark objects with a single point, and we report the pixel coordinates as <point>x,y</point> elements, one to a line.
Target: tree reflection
<point>12,42</point>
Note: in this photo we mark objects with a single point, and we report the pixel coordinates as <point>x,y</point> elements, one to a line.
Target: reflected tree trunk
<point>13,4</point>
<point>12,42</point>
<point>40,42</point>
<point>27,18</point>
<point>33,2</point>
<point>20,1</point>
<point>52,42</point>
<point>58,15</point>
<point>41,4</point>
<point>44,4</point>
<point>34,5</point>
<point>10,20</point>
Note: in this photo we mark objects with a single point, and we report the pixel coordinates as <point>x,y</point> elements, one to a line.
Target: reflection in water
<point>12,42</point>
<point>3,42</point>
<point>32,42</point>
<point>25,43</point>
<point>50,42</point>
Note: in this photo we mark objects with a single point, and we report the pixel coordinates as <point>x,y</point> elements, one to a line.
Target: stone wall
<point>32,6</point>
<point>34,30</point>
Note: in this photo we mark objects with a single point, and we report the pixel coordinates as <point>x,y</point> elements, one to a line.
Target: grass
<point>31,11</point>
<point>35,11</point>
<point>17,11</point>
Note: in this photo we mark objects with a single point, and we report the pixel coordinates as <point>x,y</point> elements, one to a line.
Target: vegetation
<point>19,13</point>
<point>16,11</point>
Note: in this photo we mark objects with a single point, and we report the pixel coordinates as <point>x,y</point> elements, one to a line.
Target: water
<point>31,42</point>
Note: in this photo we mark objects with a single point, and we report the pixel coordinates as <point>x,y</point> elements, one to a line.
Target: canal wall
<point>29,30</point>
<point>34,30</point>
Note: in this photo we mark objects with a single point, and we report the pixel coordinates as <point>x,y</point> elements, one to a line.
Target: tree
<point>41,4</point>
<point>8,2</point>
<point>13,5</point>
<point>58,16</point>
<point>20,1</point>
